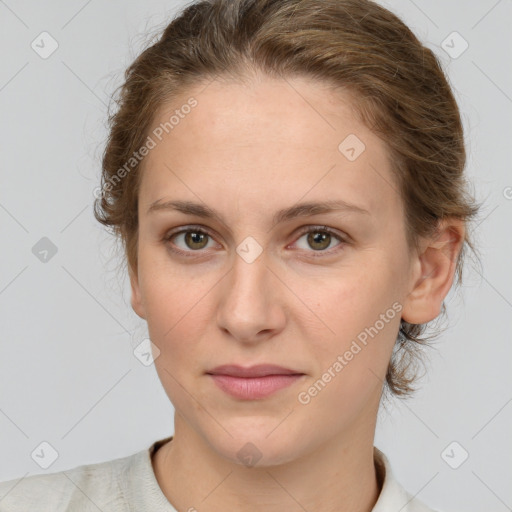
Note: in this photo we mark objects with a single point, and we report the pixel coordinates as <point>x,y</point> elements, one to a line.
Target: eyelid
<point>342,238</point>
<point>317,227</point>
<point>184,229</point>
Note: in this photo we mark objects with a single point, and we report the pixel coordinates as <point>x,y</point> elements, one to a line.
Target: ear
<point>433,272</point>
<point>136,299</point>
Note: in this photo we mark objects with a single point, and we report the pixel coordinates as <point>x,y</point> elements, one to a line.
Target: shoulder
<point>393,496</point>
<point>85,488</point>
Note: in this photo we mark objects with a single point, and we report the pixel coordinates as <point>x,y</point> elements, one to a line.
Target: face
<point>317,292</point>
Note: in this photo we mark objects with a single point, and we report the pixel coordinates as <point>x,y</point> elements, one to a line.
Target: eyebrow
<point>286,214</point>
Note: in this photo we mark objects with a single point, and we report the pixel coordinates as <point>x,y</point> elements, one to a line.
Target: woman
<point>287,180</point>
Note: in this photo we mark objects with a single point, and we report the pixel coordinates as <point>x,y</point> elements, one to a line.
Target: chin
<point>257,443</point>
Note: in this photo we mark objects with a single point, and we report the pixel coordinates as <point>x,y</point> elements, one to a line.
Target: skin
<point>248,150</point>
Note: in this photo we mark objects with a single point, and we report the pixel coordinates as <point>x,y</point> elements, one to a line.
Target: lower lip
<point>255,387</point>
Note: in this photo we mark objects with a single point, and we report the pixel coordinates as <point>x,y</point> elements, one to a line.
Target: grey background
<point>68,375</point>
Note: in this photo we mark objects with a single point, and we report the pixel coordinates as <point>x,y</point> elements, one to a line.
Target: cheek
<point>356,298</point>
<point>171,293</point>
<point>351,364</point>
<point>362,311</point>
<point>175,316</point>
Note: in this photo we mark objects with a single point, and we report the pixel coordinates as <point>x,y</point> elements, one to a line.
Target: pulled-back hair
<point>397,84</point>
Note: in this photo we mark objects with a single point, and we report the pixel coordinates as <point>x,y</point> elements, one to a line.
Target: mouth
<point>261,370</point>
<point>255,382</point>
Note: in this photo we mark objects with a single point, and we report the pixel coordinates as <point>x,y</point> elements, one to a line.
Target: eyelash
<point>310,229</point>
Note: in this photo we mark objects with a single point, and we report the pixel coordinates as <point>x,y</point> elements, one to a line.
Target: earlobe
<point>136,299</point>
<point>434,272</point>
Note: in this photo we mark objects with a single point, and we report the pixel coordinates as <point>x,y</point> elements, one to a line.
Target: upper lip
<point>260,370</point>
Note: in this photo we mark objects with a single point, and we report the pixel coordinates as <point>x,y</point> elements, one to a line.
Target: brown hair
<point>400,92</point>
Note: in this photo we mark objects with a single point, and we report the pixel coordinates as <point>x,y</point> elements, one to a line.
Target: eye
<point>193,239</point>
<point>320,238</point>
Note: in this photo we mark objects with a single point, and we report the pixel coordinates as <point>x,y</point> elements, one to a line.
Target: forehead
<point>277,140</point>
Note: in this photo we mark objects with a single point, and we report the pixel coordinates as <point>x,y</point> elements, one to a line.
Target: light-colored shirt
<point>129,484</point>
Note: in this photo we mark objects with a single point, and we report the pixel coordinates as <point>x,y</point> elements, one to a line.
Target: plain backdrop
<point>68,374</point>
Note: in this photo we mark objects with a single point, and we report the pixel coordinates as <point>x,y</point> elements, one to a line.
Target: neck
<point>339,476</point>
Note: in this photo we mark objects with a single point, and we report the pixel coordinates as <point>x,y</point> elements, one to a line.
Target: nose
<point>250,306</point>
